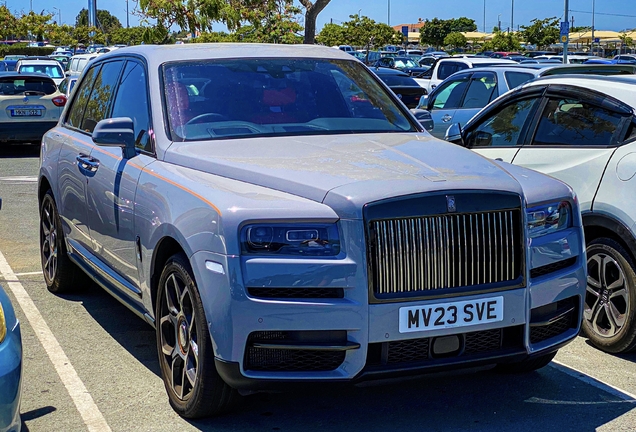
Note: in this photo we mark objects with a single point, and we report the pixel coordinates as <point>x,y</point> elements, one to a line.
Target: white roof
<point>621,87</point>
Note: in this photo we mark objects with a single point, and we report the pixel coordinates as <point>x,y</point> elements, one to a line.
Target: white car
<point>79,62</point>
<point>581,130</point>
<point>51,67</point>
<point>30,105</point>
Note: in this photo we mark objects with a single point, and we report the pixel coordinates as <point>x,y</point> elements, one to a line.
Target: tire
<point>185,348</point>
<point>609,310</point>
<point>60,273</point>
<point>527,365</point>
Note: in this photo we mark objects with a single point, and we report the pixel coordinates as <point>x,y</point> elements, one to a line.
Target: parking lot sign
<point>405,31</point>
<point>565,31</point>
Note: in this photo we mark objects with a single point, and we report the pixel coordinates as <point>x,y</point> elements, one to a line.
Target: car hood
<point>346,171</point>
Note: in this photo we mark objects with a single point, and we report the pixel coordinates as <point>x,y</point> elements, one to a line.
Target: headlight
<point>547,219</point>
<point>309,240</point>
<point>3,325</point>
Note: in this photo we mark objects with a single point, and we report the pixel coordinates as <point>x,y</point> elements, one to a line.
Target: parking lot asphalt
<point>88,347</point>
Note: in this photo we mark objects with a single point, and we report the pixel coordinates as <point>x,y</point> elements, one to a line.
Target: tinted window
<point>76,113</point>
<point>515,79</point>
<point>26,85</point>
<point>63,86</point>
<point>446,69</point>
<point>132,101</point>
<point>482,89</point>
<point>99,101</point>
<point>449,94</point>
<point>266,97</point>
<point>572,122</point>
<point>504,128</point>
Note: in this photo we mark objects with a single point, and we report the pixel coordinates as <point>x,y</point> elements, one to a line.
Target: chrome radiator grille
<point>413,256</point>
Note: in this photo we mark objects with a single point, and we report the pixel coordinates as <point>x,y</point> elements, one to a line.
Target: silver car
<point>279,216</point>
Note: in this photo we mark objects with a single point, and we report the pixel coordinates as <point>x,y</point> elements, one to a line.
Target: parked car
<point>14,57</point>
<point>7,65</point>
<point>78,63</point>
<point>10,365</point>
<point>445,67</point>
<point>46,66</point>
<point>532,54</point>
<point>30,104</point>
<point>404,64</point>
<point>582,130</point>
<point>536,60</point>
<point>503,54</point>
<point>287,224</point>
<point>465,93</point>
<point>402,84</point>
<point>67,85</point>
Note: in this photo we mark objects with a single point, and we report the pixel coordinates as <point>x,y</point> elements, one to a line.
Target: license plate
<point>26,112</point>
<point>451,314</point>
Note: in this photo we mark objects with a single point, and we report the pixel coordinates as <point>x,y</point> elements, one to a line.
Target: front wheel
<point>194,387</point>
<point>609,313</point>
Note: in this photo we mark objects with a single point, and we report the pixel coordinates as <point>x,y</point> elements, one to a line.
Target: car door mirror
<point>454,134</point>
<point>424,117</point>
<point>116,132</point>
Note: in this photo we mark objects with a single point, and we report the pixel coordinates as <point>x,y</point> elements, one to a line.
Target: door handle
<point>447,118</point>
<point>87,163</point>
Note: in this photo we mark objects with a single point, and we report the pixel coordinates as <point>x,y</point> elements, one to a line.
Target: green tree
<point>503,42</point>
<point>82,35</point>
<point>312,9</point>
<point>105,20</point>
<point>541,32</point>
<point>128,36</point>
<point>62,35</point>
<point>217,37</point>
<point>8,23</point>
<point>358,31</point>
<point>455,40</point>
<point>625,40</point>
<point>580,29</point>
<point>331,35</point>
<point>33,25</point>
<point>463,24</point>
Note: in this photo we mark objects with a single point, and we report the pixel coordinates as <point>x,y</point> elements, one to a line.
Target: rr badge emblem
<point>450,204</point>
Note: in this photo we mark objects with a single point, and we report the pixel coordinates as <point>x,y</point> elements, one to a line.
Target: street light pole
<point>512,17</point>
<point>565,44</point>
<point>484,16</point>
<point>388,13</point>
<point>593,4</point>
<point>127,15</point>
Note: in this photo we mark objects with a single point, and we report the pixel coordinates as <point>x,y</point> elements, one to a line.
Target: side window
<point>482,89</point>
<point>63,86</point>
<point>446,69</point>
<point>502,129</point>
<point>449,94</point>
<point>76,112</point>
<point>132,101</point>
<point>515,79</point>
<point>572,122</point>
<point>99,101</point>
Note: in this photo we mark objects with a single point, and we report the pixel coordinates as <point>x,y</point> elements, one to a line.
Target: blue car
<point>10,366</point>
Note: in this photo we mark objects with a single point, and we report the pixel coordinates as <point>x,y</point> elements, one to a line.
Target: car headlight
<point>546,219</point>
<point>287,239</point>
<point>3,325</point>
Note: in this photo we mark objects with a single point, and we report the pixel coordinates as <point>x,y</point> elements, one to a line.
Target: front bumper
<point>30,131</point>
<point>533,323</point>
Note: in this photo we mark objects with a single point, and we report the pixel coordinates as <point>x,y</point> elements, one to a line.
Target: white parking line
<point>28,179</point>
<point>28,273</point>
<point>87,408</point>
<point>595,382</point>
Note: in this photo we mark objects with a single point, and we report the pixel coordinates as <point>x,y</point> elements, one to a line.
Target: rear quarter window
<point>515,79</point>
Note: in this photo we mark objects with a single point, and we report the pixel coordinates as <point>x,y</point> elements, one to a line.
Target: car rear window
<point>54,71</point>
<point>515,79</point>
<point>23,85</point>
<point>399,81</point>
<point>223,98</point>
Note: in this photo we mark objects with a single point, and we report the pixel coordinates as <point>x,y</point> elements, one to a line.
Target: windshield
<point>402,63</point>
<point>54,71</point>
<point>26,85</point>
<point>273,97</point>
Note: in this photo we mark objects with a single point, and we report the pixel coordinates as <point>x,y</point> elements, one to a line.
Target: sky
<point>614,15</point>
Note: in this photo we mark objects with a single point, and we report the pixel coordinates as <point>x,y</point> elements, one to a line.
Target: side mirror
<point>454,134</point>
<point>425,118</point>
<point>116,132</point>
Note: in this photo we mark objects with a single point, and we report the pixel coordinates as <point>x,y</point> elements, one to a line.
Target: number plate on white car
<point>25,112</point>
<point>451,314</point>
